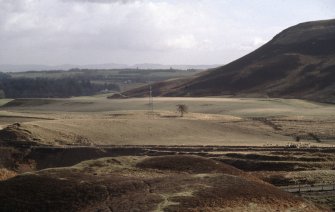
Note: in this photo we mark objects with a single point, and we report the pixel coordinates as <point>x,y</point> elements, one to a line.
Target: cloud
<point>137,31</point>
<point>183,42</point>
<point>102,1</point>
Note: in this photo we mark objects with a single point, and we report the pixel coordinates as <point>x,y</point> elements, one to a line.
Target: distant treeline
<point>47,87</point>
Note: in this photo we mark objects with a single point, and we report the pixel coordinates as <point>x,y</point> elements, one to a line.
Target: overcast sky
<point>54,32</point>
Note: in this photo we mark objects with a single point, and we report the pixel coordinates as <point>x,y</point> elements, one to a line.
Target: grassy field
<point>245,107</point>
<point>210,121</point>
<point>276,141</point>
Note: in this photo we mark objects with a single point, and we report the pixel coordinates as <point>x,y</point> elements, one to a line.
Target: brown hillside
<point>119,184</point>
<point>299,62</point>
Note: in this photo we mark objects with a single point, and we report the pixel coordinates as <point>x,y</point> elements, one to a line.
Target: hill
<point>82,82</point>
<point>299,62</point>
<point>40,67</point>
<point>165,183</point>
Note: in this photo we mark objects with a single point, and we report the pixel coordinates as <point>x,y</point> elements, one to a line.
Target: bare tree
<point>181,108</point>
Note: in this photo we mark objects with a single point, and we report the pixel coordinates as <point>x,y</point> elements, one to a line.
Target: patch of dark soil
<point>119,114</point>
<point>29,102</point>
<point>48,157</point>
<point>279,180</point>
<point>42,193</point>
<point>15,135</point>
<point>274,157</point>
<point>254,165</point>
<point>15,160</point>
<point>27,118</point>
<point>268,123</point>
<point>169,116</point>
<point>73,103</point>
<point>187,163</point>
<point>255,156</point>
<point>315,137</point>
<point>9,157</point>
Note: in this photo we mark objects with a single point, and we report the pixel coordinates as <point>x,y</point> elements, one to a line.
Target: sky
<point>55,32</point>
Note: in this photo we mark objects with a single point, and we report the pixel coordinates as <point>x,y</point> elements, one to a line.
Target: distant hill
<point>299,62</point>
<point>78,82</point>
<point>38,67</point>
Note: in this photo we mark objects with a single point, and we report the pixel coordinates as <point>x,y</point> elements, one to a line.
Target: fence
<point>309,188</point>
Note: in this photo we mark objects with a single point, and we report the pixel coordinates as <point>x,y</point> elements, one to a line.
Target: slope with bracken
<point>299,62</point>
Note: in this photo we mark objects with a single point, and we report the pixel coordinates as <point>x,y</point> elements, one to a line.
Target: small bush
<point>181,108</point>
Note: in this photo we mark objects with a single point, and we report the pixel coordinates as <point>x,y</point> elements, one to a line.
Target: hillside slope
<point>299,62</point>
<point>164,183</point>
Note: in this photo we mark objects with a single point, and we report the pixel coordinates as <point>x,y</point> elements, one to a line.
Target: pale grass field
<point>210,121</point>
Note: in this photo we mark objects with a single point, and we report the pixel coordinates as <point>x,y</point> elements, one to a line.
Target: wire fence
<point>309,188</point>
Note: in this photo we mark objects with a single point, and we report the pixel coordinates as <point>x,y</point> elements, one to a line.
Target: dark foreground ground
<point>164,178</point>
